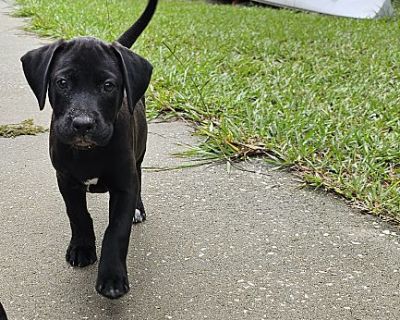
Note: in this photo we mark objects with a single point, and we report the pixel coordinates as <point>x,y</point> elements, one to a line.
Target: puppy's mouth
<point>83,143</point>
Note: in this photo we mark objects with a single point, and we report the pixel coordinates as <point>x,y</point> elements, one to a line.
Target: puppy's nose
<point>83,124</point>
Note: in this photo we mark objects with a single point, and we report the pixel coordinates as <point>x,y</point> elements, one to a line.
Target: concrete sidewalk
<point>215,246</point>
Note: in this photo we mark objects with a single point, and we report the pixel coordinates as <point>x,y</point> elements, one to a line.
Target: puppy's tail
<point>3,315</point>
<point>128,38</point>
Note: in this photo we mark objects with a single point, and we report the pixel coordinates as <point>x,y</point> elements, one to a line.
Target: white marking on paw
<point>138,216</point>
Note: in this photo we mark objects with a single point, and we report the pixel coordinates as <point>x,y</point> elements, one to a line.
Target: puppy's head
<point>86,80</point>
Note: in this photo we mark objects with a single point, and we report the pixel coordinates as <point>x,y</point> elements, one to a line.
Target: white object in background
<point>363,9</point>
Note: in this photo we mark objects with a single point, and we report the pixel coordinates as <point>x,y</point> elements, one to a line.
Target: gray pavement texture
<point>216,245</point>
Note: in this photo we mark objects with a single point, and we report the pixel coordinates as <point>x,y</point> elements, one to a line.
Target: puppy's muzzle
<point>83,124</point>
<point>83,127</point>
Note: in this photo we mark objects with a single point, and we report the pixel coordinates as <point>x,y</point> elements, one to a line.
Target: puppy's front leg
<point>81,250</point>
<point>112,281</point>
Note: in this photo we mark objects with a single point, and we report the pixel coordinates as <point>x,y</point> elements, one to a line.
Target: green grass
<point>320,95</point>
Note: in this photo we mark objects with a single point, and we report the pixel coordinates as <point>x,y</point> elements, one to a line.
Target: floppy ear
<point>136,72</point>
<point>36,64</point>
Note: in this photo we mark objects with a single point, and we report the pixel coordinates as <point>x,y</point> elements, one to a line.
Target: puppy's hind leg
<point>140,212</point>
<point>140,140</point>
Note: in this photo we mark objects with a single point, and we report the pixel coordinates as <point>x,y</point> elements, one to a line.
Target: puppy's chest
<point>87,168</point>
<point>91,182</point>
<point>91,175</point>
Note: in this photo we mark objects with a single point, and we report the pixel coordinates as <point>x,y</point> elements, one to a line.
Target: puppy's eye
<point>108,86</point>
<point>62,83</point>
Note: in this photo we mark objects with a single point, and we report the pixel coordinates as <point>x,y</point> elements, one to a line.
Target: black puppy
<point>97,139</point>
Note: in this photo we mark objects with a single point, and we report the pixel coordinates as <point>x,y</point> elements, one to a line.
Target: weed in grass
<point>26,127</point>
<point>319,94</point>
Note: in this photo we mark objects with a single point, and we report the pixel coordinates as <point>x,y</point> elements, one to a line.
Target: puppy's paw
<point>140,216</point>
<point>81,256</point>
<point>112,286</point>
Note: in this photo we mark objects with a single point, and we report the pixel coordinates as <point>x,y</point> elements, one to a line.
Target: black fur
<point>3,315</point>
